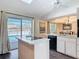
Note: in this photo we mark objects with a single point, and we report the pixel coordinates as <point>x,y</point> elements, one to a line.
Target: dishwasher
<point>53,42</point>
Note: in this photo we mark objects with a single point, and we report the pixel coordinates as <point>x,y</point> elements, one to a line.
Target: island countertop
<point>31,40</point>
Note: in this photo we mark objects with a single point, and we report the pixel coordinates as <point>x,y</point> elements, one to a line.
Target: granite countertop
<point>66,36</point>
<point>69,36</point>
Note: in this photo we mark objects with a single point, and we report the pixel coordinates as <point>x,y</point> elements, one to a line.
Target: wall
<point>60,21</point>
<point>77,13</point>
<point>74,26</point>
<point>59,27</point>
<point>36,27</point>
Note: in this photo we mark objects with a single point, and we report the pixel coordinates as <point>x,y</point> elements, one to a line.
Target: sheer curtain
<point>4,41</point>
<point>4,44</point>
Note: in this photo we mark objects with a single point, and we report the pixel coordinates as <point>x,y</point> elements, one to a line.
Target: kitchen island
<point>34,49</point>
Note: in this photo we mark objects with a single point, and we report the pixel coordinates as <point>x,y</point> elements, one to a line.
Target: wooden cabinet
<point>60,44</point>
<point>71,47</point>
<point>77,48</point>
<point>34,49</point>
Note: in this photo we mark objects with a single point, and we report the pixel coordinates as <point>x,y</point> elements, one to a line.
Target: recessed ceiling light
<point>27,1</point>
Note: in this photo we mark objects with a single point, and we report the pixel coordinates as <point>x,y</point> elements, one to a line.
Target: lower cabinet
<point>77,48</point>
<point>60,44</point>
<point>71,47</point>
<point>67,46</point>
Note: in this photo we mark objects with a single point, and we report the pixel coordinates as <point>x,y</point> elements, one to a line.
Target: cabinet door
<point>71,47</point>
<point>77,48</point>
<point>60,45</point>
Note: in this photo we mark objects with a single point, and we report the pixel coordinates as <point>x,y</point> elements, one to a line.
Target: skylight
<point>27,1</point>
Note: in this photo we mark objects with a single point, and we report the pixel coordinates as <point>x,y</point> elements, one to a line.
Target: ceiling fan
<point>59,4</point>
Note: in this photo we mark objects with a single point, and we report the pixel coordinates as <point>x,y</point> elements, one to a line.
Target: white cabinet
<point>67,46</point>
<point>77,48</point>
<point>60,44</point>
<point>71,47</point>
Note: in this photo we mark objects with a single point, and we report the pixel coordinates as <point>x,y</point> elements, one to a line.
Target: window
<point>52,28</point>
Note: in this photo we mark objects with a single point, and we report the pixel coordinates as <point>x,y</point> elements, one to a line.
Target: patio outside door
<point>14,31</point>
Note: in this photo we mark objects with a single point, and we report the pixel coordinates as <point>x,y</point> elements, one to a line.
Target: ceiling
<point>38,8</point>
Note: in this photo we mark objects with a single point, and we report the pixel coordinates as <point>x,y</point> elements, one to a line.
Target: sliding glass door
<point>27,28</point>
<point>14,31</point>
<point>19,27</point>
